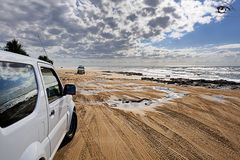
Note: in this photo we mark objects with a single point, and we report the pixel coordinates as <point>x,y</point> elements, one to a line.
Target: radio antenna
<point>42,44</point>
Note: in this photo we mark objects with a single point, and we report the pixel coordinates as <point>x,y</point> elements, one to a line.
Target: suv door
<point>57,107</point>
<point>22,108</point>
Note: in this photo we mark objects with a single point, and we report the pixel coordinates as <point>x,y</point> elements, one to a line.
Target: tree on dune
<point>15,47</point>
<point>45,58</point>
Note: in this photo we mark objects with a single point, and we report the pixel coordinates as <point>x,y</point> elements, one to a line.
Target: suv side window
<point>18,92</point>
<point>52,84</point>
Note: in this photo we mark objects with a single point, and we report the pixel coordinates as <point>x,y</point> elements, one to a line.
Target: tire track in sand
<point>121,133</point>
<point>187,149</point>
<point>162,145</point>
<point>92,147</point>
<point>213,134</point>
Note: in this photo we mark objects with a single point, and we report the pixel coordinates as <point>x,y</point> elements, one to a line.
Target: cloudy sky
<point>157,32</point>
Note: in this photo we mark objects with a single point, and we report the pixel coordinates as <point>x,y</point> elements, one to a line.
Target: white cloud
<point>103,28</point>
<point>229,46</point>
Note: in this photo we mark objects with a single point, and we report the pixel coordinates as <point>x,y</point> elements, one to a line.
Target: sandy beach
<point>124,117</point>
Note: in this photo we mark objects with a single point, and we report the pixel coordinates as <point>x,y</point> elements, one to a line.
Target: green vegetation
<point>15,47</point>
<point>45,58</point>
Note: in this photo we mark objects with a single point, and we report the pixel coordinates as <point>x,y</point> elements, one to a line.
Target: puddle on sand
<point>215,98</point>
<point>132,104</point>
<point>128,102</point>
<point>100,86</point>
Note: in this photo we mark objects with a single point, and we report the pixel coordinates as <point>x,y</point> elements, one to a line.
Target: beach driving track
<point>188,128</point>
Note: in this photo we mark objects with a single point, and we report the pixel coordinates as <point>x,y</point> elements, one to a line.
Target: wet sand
<point>123,117</point>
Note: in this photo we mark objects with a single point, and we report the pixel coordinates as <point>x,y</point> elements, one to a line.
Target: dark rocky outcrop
<point>198,82</point>
<point>125,73</point>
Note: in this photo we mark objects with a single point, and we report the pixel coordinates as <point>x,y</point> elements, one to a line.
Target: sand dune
<point>120,118</point>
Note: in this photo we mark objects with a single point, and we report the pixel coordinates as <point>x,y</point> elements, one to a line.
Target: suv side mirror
<point>69,89</point>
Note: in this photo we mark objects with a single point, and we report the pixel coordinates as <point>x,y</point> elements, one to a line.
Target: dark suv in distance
<point>81,70</point>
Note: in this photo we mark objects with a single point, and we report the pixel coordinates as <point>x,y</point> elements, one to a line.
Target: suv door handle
<point>52,113</point>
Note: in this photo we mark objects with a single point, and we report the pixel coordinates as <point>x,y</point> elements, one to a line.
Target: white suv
<point>36,111</point>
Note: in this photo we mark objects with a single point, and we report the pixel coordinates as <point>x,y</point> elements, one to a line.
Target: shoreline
<point>214,84</point>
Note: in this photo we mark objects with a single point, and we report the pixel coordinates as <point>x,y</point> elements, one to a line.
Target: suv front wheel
<point>73,127</point>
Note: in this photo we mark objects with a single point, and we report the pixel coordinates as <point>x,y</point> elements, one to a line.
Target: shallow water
<point>125,101</point>
<point>141,104</point>
<point>215,98</point>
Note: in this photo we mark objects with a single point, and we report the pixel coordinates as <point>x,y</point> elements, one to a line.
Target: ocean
<point>155,69</point>
<point>189,72</point>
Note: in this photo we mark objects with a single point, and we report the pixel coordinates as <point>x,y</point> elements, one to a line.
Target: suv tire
<point>73,127</point>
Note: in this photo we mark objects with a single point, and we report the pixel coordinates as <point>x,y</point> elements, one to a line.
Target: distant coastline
<point>216,84</point>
